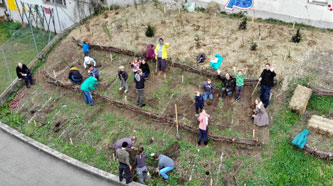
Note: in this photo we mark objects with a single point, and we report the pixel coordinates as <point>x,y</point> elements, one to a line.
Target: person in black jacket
<point>267,83</point>
<point>145,69</point>
<point>228,86</point>
<point>123,76</point>
<point>75,75</point>
<point>140,87</point>
<point>199,103</point>
<point>23,72</point>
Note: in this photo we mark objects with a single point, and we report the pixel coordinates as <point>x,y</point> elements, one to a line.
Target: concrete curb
<point>71,161</point>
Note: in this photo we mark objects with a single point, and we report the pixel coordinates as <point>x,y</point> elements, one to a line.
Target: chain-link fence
<point>23,43</point>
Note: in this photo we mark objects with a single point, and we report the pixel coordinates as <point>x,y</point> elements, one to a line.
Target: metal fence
<point>23,45</point>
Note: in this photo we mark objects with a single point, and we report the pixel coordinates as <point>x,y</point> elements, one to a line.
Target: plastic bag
<point>190,6</point>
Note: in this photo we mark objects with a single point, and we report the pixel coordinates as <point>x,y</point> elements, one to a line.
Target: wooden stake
<point>253,133</point>
<point>293,25</point>
<point>35,123</point>
<point>211,181</point>
<point>54,73</point>
<point>111,57</point>
<point>270,97</point>
<point>182,78</point>
<point>71,141</point>
<point>176,110</point>
<point>113,157</point>
<point>255,88</point>
<point>125,98</point>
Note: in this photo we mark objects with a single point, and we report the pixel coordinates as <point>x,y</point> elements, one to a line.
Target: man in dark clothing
<point>228,86</point>
<point>75,75</point>
<point>23,72</point>
<point>145,69</point>
<point>140,87</point>
<point>124,165</point>
<point>267,83</point>
<point>199,102</point>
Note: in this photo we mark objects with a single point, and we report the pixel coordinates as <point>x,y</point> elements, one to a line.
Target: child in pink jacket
<point>203,127</point>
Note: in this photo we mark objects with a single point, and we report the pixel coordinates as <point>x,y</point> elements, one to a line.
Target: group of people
<point>141,72</point>
<point>122,148</point>
<point>230,84</point>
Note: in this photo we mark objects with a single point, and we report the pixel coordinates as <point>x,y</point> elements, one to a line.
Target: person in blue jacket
<point>85,47</point>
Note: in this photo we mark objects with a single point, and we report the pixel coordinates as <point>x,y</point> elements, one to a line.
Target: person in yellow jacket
<point>161,56</point>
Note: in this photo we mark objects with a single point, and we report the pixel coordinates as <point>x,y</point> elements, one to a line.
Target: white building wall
<point>299,11</point>
<point>65,16</point>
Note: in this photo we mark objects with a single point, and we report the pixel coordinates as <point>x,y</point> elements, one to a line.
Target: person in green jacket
<point>239,82</point>
<point>86,86</point>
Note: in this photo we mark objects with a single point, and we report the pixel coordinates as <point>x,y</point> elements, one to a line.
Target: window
<point>318,2</point>
<point>59,2</point>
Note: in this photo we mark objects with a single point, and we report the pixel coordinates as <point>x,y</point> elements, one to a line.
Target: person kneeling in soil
<point>124,164</point>
<point>140,162</point>
<point>145,69</point>
<point>130,141</point>
<point>239,82</point>
<point>23,72</point>
<point>165,164</point>
<point>228,86</point>
<point>88,62</point>
<point>94,72</point>
<point>208,88</point>
<point>199,103</point>
<point>122,74</point>
<point>140,88</point>
<point>75,75</point>
<point>203,127</point>
<point>260,115</point>
<point>86,87</point>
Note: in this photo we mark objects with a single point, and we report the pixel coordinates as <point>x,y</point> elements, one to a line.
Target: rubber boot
<point>164,75</point>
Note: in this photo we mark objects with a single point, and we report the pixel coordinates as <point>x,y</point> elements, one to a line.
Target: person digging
<point>161,57</point>
<point>75,75</point>
<point>165,164</point>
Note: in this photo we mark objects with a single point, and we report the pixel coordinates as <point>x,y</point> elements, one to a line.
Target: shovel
<point>177,135</point>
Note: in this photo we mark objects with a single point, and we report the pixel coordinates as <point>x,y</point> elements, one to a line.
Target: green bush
<point>297,37</point>
<point>150,31</point>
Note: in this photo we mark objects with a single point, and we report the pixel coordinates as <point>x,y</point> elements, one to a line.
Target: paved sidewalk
<point>24,165</point>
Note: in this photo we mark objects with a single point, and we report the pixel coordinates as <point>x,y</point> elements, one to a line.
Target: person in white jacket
<point>88,62</point>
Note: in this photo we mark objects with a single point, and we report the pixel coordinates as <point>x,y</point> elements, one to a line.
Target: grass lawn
<point>18,45</point>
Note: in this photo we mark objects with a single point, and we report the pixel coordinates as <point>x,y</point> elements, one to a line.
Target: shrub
<point>242,25</point>
<point>253,46</point>
<point>150,31</point>
<point>297,37</point>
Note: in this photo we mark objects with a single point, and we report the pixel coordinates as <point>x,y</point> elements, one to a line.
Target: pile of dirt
<point>300,99</point>
<point>172,151</point>
<point>14,104</point>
